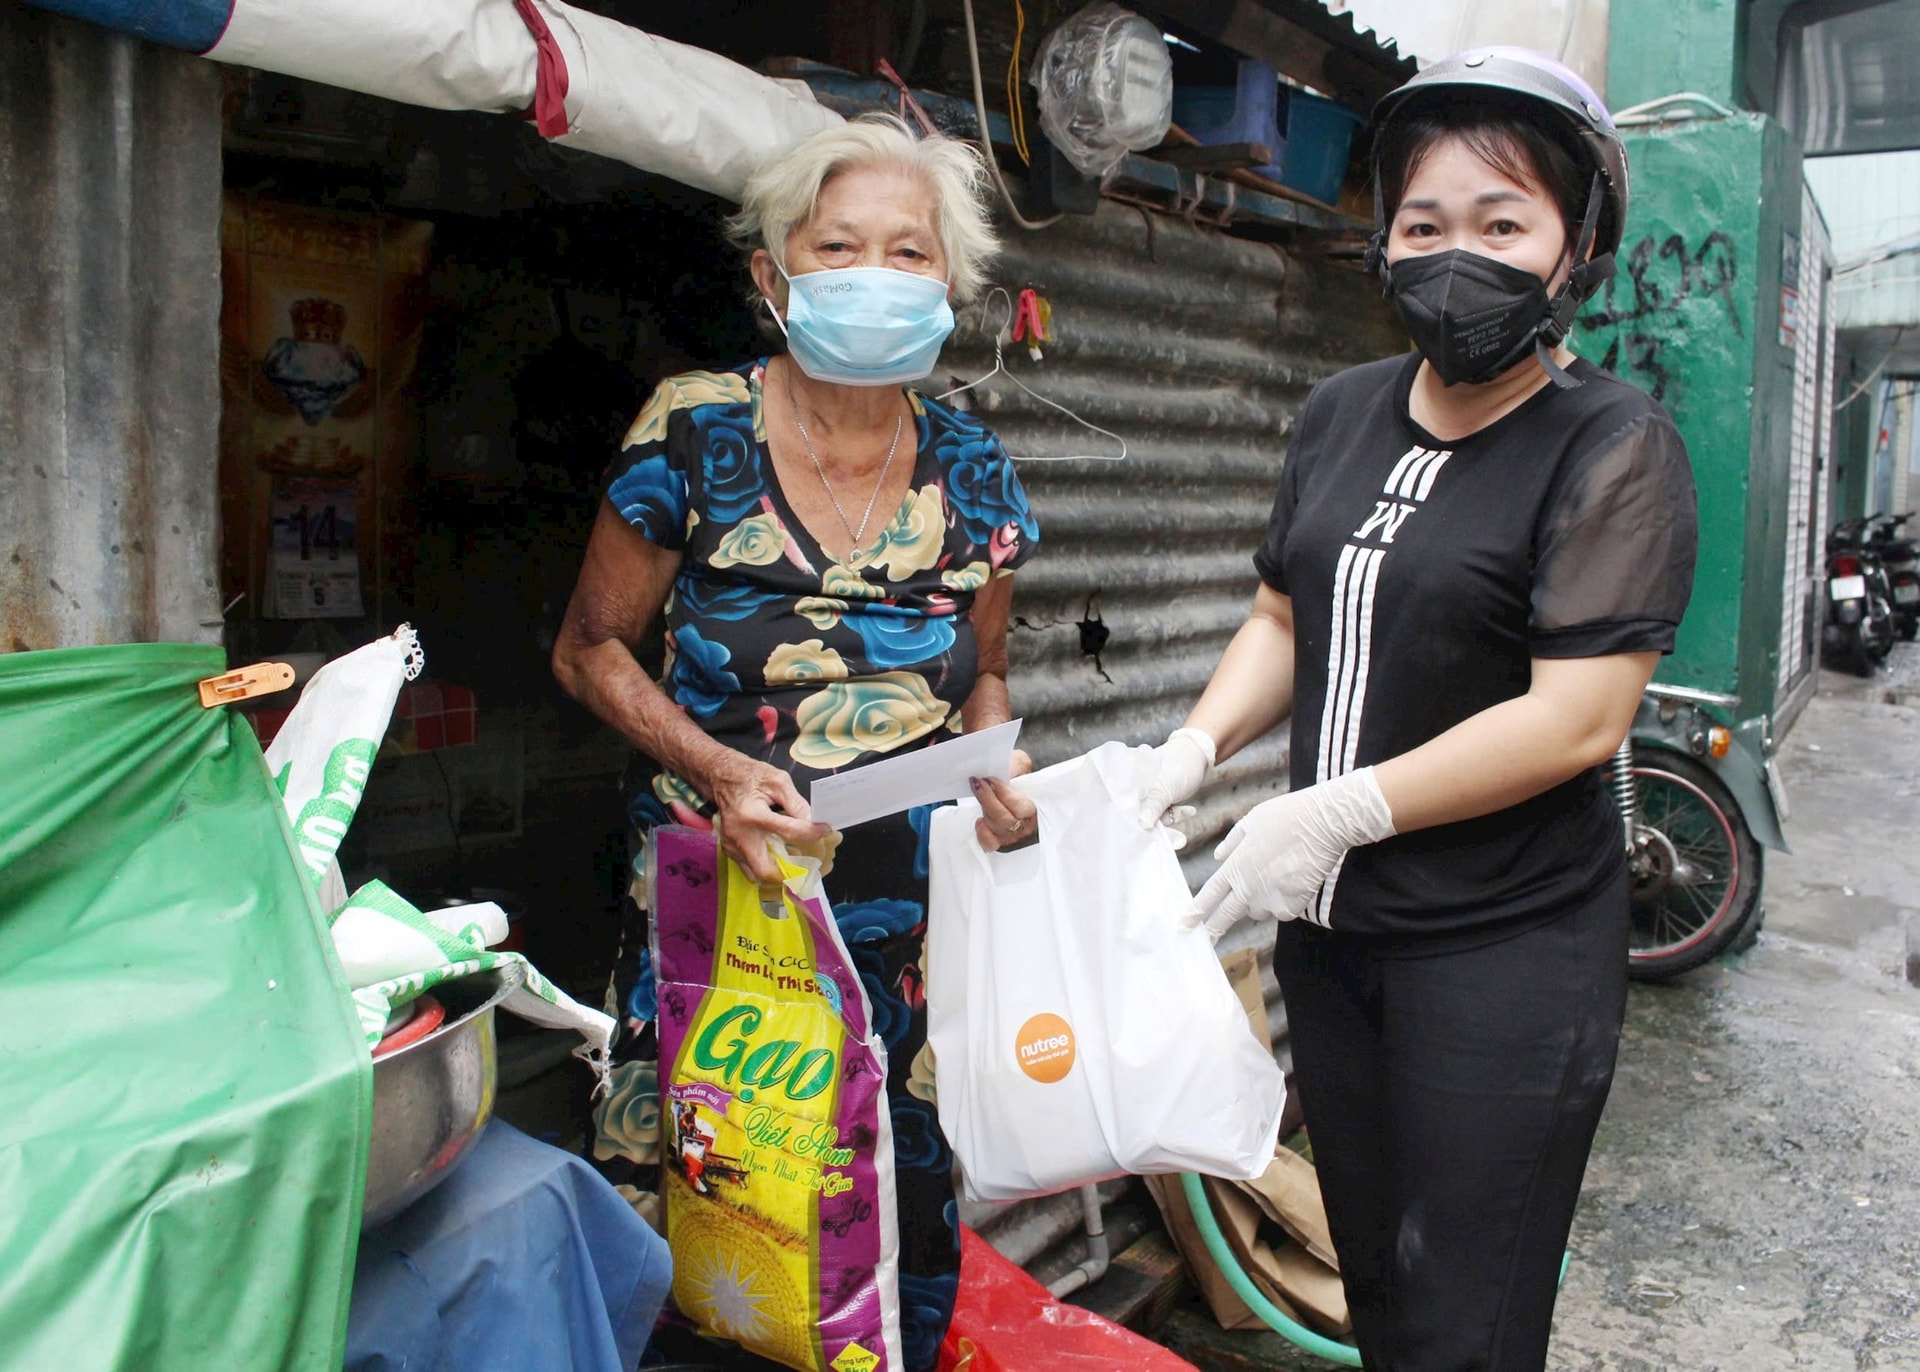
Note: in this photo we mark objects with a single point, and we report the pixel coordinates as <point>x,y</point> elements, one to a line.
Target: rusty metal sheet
<point>109,399</point>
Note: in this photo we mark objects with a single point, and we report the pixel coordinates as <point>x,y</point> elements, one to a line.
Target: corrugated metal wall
<point>109,398</point>
<point>1198,348</point>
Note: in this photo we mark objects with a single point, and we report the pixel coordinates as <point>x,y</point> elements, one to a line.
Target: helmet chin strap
<point>1376,259</point>
<point>1583,278</point>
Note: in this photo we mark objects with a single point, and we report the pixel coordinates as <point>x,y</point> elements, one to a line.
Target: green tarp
<point>186,1092</point>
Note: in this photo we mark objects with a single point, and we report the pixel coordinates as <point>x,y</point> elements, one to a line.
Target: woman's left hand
<point>1007,818</point>
<point>1275,860</point>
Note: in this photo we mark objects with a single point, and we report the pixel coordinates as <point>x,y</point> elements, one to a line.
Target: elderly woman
<point>834,556</point>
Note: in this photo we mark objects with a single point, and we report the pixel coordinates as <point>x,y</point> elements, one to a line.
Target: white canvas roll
<point>680,111</point>
<point>444,54</point>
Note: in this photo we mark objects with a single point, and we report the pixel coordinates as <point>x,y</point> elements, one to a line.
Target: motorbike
<point>1859,627</point>
<point>1900,557</point>
<point>1699,800</point>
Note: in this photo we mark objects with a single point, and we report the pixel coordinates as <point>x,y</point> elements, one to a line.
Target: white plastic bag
<point>1077,1031</point>
<point>323,754</point>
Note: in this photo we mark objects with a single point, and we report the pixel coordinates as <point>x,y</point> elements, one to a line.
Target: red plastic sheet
<point>1005,1321</point>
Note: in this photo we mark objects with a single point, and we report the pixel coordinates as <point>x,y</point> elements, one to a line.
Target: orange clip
<point>243,683</point>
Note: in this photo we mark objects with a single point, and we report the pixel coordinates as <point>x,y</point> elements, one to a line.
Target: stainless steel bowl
<point>431,1099</point>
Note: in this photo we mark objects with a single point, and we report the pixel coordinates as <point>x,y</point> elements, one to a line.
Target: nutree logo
<point>1044,1048</point>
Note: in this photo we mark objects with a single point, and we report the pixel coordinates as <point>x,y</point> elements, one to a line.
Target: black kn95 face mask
<point>1471,317</point>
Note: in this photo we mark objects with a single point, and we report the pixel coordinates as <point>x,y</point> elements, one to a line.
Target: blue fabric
<point>195,25</point>
<point>523,1260</point>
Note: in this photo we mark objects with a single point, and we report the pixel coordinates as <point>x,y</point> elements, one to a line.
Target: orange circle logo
<point>1044,1048</point>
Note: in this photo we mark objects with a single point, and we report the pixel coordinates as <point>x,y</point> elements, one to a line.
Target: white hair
<point>785,192</point>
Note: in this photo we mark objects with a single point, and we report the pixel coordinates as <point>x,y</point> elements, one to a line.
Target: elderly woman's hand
<point>1007,818</point>
<point>759,803</point>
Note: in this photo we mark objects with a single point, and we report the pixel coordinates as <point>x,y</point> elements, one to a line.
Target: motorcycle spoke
<point>1689,869</point>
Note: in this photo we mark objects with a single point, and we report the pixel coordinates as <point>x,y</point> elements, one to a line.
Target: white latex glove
<point>1185,759</point>
<point>1276,859</point>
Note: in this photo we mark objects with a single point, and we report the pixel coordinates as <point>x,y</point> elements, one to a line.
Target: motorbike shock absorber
<point>1625,793</point>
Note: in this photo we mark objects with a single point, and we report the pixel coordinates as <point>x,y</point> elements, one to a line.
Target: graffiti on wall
<point>1656,280</point>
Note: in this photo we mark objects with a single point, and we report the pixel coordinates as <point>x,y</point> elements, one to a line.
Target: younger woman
<point>1477,554</point>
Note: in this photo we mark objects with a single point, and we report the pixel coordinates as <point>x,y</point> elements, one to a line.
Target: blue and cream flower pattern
<point>796,658</point>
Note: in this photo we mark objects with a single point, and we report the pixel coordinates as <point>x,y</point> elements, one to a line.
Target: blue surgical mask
<point>865,326</point>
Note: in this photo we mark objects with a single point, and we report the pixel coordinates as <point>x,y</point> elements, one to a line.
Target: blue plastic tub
<point>1246,112</point>
<point>1319,137</point>
<point>1311,136</point>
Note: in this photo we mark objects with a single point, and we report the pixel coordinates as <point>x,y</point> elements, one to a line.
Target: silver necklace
<point>857,535</point>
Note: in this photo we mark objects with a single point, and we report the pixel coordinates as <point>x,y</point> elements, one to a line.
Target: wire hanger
<point>1000,335</point>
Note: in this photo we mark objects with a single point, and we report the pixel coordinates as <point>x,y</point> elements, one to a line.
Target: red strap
<point>908,105</point>
<point>550,75</point>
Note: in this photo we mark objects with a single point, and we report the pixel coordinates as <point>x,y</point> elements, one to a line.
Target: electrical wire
<point>1668,109</point>
<point>1873,375</point>
<point>1016,108</point>
<point>986,141</point>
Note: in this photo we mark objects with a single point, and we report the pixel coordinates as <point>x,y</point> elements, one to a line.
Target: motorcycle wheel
<point>1695,868</point>
<point>1876,630</point>
<point>1845,649</point>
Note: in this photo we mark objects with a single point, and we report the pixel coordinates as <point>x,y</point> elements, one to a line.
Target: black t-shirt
<point>1425,576</point>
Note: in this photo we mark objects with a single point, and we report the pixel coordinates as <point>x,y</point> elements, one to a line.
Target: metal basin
<point>431,1099</point>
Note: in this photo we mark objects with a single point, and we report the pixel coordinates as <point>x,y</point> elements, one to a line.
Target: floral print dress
<point>815,665</point>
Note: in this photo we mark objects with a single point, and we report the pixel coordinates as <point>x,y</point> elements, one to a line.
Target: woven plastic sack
<point>778,1172</point>
<point>324,753</point>
<point>392,952</point>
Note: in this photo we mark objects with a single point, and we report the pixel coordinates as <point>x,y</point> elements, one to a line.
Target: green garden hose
<point>1345,1354</point>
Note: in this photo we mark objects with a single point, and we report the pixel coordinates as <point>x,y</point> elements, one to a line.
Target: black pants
<point>1452,1098</point>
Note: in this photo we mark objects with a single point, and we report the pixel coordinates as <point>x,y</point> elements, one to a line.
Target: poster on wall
<point>321,319</point>
<point>316,540</point>
<point>1789,288</point>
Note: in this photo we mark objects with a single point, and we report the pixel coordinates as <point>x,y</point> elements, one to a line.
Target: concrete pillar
<point>1660,47</point>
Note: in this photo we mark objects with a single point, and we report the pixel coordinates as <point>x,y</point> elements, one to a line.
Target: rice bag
<point>778,1172</point>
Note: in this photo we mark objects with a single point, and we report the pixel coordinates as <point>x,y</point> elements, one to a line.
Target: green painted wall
<point>1658,47</point>
<point>1693,318</point>
<point>1770,450</point>
<point>1852,460</point>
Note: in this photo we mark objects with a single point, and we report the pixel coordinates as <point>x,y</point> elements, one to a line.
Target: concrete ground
<point>1754,1197</point>
<point>1753,1202</point>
